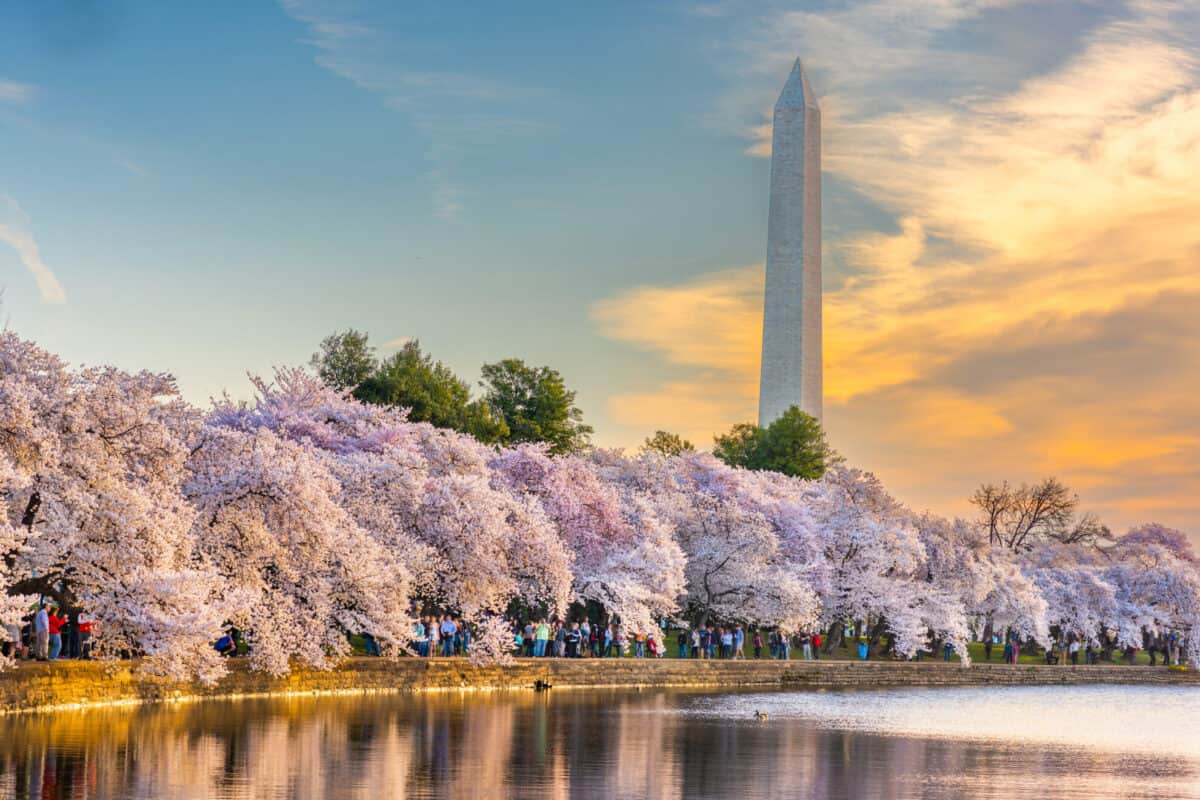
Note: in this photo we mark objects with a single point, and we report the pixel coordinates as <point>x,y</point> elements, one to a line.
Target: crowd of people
<point>46,634</point>
<point>436,635</point>
<point>582,639</point>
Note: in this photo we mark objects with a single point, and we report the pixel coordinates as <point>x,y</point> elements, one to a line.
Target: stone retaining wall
<point>42,686</point>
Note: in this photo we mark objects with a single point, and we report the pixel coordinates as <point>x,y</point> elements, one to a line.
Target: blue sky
<point>211,188</point>
<point>213,199</point>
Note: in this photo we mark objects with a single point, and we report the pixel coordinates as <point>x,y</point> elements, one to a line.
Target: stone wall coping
<point>36,687</point>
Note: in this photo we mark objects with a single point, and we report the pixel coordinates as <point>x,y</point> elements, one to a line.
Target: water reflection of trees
<point>475,745</point>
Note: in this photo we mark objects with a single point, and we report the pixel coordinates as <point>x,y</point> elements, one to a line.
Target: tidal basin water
<point>1028,742</point>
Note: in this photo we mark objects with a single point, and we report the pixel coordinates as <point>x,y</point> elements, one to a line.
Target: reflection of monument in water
<point>791,348</point>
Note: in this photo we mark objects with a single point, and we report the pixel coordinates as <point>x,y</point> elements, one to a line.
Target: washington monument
<point>791,348</point>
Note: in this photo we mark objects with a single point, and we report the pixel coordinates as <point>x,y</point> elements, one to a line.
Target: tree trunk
<point>834,636</point>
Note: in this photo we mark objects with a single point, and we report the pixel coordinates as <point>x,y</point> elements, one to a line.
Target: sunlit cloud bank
<point>1034,308</point>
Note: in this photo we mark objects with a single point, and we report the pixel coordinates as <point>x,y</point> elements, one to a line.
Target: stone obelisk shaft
<point>791,351</point>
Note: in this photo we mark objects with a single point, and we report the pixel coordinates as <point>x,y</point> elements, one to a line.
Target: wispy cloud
<point>15,92</point>
<point>457,113</point>
<point>15,232</point>
<point>1032,310</point>
<point>132,166</point>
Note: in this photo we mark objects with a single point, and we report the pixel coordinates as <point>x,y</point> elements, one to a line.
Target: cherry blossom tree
<point>298,572</point>
<point>422,493</point>
<point>623,556</point>
<point>876,568</point>
<point>987,581</point>
<point>735,568</point>
<point>93,463</point>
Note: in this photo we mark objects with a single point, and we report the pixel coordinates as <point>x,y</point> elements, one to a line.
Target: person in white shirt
<point>448,631</point>
<point>41,630</point>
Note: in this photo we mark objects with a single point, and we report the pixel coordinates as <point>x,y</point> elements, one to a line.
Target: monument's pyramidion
<point>791,349</point>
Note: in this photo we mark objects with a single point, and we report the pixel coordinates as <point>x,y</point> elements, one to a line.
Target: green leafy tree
<point>535,404</point>
<point>794,444</point>
<point>345,360</point>
<point>668,444</point>
<point>432,392</point>
<point>738,447</point>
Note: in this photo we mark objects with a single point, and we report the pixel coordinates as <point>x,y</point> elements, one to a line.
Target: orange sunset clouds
<point>1033,307</point>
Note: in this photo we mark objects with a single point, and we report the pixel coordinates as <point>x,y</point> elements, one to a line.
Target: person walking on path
<point>757,645</point>
<point>41,630</point>
<point>739,642</point>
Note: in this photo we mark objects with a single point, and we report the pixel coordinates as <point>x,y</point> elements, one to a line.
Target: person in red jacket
<point>85,635</point>
<point>56,626</point>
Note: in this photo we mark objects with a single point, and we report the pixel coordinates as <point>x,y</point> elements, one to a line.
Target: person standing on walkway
<point>41,632</point>
<point>739,642</point>
<point>419,637</point>
<point>816,646</point>
<point>541,635</point>
<point>56,625</point>
<point>560,640</point>
<point>574,637</point>
<point>527,639</point>
<point>757,645</point>
<point>435,635</point>
<point>448,630</point>
<point>683,643</point>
